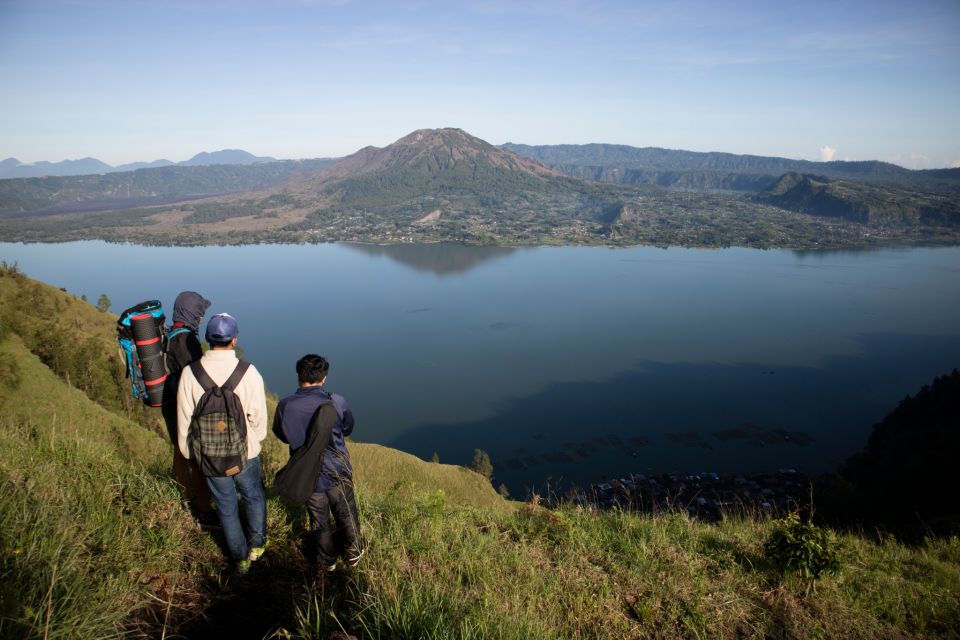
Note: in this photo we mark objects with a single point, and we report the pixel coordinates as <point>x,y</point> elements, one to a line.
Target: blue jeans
<point>249,482</point>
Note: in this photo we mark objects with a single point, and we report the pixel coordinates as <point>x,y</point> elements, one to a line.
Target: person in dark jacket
<point>183,347</point>
<point>333,491</point>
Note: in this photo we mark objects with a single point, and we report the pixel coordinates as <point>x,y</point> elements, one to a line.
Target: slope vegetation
<point>903,478</point>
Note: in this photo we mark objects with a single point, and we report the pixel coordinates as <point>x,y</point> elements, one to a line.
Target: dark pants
<point>342,536</point>
<point>190,481</point>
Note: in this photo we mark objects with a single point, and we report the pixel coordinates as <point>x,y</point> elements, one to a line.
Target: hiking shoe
<point>243,566</point>
<point>354,557</point>
<point>256,553</point>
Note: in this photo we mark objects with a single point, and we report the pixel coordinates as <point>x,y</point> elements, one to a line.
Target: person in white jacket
<point>219,363</point>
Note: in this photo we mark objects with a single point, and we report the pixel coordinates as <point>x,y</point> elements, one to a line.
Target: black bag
<point>296,480</point>
<point>218,428</point>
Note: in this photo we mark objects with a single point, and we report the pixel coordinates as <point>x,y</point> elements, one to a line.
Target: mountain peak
<point>225,156</point>
<point>433,152</point>
<point>447,137</point>
<point>427,164</point>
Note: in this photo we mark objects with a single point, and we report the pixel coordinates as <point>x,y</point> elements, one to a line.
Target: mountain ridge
<point>624,164</point>
<point>866,203</point>
<point>13,168</point>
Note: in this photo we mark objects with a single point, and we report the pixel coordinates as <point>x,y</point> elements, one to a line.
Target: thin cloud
<point>827,153</point>
<point>912,160</point>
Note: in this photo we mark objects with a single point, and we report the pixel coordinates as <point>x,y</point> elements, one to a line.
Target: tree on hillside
<point>904,478</point>
<point>482,464</point>
<point>103,302</point>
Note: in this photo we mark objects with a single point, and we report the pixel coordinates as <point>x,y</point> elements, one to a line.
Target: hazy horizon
<point>277,158</point>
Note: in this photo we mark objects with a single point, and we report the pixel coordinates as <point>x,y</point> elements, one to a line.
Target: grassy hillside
<point>94,542</point>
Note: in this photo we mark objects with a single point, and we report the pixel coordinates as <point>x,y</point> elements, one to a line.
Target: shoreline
<point>705,495</point>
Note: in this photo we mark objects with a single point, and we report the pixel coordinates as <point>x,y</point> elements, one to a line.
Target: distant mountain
<point>623,164</point>
<point>133,166</point>
<point>226,156</point>
<point>450,155</point>
<point>13,168</point>
<point>122,190</point>
<point>445,169</point>
<point>860,202</point>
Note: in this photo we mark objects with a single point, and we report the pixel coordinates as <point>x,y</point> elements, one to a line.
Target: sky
<point>141,80</point>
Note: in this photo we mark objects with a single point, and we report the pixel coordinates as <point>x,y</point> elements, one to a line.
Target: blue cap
<point>222,328</point>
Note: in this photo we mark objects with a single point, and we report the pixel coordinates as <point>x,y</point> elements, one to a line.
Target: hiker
<point>314,422</point>
<point>183,347</point>
<point>211,440</point>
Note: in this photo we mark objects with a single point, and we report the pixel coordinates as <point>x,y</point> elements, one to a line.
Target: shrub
<point>800,546</point>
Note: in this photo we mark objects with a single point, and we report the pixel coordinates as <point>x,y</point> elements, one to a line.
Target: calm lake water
<point>571,364</point>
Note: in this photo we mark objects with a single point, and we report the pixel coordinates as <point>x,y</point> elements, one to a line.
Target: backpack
<point>296,480</point>
<point>142,336</point>
<point>218,429</point>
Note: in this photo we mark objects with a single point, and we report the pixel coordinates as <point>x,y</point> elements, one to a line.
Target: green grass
<point>94,543</point>
<point>381,470</point>
<point>91,531</point>
<point>439,571</point>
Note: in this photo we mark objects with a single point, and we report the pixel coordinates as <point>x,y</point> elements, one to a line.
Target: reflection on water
<point>441,258</point>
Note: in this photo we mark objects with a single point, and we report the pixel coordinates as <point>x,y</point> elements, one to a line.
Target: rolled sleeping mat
<point>149,343</point>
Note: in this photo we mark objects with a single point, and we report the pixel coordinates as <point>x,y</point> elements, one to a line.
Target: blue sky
<point>142,80</point>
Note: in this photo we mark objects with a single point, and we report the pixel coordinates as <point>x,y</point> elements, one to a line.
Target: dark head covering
<point>189,309</point>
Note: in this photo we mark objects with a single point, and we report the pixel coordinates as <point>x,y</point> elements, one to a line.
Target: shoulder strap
<point>321,425</point>
<point>207,382</point>
<point>316,413</point>
<point>177,331</point>
<point>201,375</point>
<point>236,376</point>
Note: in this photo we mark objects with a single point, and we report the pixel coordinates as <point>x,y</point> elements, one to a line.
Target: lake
<point>572,364</point>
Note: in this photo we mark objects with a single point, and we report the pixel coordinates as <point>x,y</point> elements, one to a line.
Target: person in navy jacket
<point>333,492</point>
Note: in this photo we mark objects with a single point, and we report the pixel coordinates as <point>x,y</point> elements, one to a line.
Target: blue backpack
<point>143,344</point>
